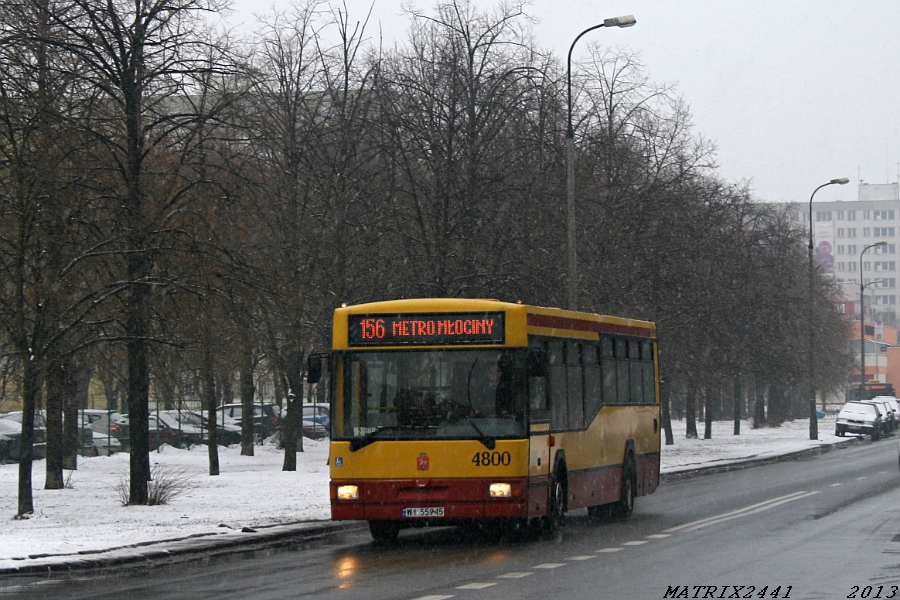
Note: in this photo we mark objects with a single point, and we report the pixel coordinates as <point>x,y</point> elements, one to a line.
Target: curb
<point>191,548</point>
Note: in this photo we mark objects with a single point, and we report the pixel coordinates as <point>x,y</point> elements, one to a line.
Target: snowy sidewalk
<point>80,523</point>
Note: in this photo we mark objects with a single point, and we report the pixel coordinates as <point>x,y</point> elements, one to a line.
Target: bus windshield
<point>430,394</point>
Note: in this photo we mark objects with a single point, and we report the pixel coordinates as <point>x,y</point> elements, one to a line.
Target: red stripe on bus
<point>551,322</point>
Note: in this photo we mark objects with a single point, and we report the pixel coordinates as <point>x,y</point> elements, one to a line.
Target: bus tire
<point>625,506</point>
<point>384,532</point>
<point>556,509</point>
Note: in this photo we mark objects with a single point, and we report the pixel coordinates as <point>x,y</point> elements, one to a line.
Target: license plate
<point>425,511</point>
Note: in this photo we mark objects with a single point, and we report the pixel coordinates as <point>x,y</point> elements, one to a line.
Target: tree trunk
<point>690,403</point>
<point>138,391</point>
<point>78,384</point>
<point>209,400</point>
<point>30,390</point>
<point>759,407</point>
<point>56,379</point>
<point>292,432</point>
<point>738,400</point>
<point>708,414</point>
<point>664,410</point>
<point>248,391</point>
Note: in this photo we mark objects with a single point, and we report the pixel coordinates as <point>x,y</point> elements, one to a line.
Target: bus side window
<point>558,412</point>
<point>575,386</point>
<point>608,366</point>
<point>591,383</point>
<point>636,371</point>
<point>649,372</point>
<point>622,376</point>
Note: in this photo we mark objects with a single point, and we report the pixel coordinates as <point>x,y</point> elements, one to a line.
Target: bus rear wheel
<point>625,506</point>
<point>384,531</point>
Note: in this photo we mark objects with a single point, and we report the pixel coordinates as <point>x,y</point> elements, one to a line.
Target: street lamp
<point>862,320</point>
<point>626,21</point>
<point>813,421</point>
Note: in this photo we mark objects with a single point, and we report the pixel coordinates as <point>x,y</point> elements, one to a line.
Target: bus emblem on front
<point>422,462</point>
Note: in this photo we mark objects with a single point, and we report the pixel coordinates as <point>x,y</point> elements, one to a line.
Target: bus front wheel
<point>556,513</point>
<point>384,531</point>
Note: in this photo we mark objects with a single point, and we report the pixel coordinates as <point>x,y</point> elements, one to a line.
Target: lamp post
<point>862,320</point>
<point>813,421</point>
<point>626,21</point>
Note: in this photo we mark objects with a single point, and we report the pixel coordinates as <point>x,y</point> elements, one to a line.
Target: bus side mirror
<point>313,368</point>
<point>536,363</point>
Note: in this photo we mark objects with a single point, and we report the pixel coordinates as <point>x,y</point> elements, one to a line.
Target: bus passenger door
<point>539,431</point>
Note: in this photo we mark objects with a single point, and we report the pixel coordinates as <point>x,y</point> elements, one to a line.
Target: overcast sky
<point>794,93</point>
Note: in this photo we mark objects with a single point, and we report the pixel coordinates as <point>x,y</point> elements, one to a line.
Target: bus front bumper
<point>431,499</point>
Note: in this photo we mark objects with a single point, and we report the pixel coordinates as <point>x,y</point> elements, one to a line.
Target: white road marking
<point>581,557</point>
<point>609,549</point>
<point>476,586</point>
<point>861,478</point>
<point>549,566</point>
<point>741,512</point>
<point>659,536</point>
<point>634,543</point>
<point>514,575</point>
<point>835,484</point>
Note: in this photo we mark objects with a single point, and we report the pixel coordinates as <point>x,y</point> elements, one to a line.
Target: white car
<point>106,444</point>
<point>887,415</point>
<point>894,404</point>
<point>858,417</point>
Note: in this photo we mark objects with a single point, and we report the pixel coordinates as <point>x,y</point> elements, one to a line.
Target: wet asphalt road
<point>815,528</point>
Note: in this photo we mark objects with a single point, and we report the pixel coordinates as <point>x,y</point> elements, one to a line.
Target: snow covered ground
<point>254,491</point>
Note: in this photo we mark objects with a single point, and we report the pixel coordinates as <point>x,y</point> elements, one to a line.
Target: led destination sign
<point>426,329</point>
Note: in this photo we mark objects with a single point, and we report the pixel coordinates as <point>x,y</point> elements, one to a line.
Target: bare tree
<point>142,58</point>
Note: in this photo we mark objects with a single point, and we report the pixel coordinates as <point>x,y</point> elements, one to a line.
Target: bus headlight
<point>501,490</point>
<point>348,492</point>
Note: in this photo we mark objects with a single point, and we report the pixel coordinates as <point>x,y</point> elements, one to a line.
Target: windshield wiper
<point>369,438</point>
<point>489,442</point>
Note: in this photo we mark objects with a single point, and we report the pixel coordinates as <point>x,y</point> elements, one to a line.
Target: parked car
<point>266,420</point>
<point>859,417</point>
<point>105,444</point>
<point>887,415</point>
<point>320,413</point>
<point>11,437</point>
<point>313,429</point>
<point>894,405</point>
<point>227,431</point>
<point>168,430</point>
<point>109,423</point>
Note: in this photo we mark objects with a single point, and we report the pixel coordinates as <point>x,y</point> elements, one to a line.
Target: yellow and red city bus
<point>450,410</point>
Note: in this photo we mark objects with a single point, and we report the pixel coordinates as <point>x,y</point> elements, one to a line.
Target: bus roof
<point>521,320</point>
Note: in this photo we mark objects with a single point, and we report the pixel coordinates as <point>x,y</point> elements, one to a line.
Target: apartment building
<point>843,230</point>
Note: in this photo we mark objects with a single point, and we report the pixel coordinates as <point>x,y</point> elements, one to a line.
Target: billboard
<point>824,245</point>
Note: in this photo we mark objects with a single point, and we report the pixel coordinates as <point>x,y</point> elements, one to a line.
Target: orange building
<point>882,353</point>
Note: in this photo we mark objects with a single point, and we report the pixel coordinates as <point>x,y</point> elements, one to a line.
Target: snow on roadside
<point>250,491</point>
<point>724,447</point>
<point>254,491</point>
